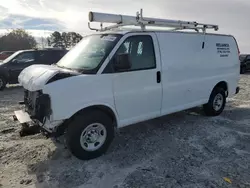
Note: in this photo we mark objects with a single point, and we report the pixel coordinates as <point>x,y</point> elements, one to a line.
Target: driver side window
<point>140,50</point>
<point>25,57</point>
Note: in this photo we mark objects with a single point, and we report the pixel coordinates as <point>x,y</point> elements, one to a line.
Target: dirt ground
<point>185,149</point>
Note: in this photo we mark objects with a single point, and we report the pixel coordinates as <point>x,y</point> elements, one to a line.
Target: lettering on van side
<point>223,49</point>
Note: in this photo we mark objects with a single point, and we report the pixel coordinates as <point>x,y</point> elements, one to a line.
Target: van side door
<point>138,90</point>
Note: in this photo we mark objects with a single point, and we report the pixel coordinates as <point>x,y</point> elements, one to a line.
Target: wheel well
<point>61,129</point>
<point>102,108</point>
<point>222,85</point>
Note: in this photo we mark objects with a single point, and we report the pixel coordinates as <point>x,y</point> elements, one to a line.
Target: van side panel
<point>190,72</point>
<point>222,55</point>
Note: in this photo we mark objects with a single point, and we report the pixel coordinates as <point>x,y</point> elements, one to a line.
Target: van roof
<point>125,31</point>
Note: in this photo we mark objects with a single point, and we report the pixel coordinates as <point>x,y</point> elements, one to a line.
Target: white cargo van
<point>119,77</point>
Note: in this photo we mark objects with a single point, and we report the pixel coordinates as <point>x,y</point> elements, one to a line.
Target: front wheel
<point>2,83</point>
<point>89,135</point>
<point>216,103</point>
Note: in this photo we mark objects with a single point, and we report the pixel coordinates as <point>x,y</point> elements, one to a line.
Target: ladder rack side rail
<point>140,16</point>
<point>113,18</point>
<point>139,20</point>
<point>117,26</point>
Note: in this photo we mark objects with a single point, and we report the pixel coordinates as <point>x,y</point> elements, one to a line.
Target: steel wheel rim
<point>93,137</point>
<point>218,102</point>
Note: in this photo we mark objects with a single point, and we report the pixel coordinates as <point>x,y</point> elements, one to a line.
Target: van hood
<point>35,77</point>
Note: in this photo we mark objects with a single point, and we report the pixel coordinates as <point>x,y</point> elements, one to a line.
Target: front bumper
<point>22,117</point>
<point>48,126</point>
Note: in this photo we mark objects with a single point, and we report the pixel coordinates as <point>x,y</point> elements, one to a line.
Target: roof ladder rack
<point>138,20</point>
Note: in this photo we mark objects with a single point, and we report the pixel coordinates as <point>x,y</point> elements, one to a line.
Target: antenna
<point>138,20</point>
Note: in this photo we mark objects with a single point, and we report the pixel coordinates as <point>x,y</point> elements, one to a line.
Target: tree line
<point>64,40</point>
<point>20,39</point>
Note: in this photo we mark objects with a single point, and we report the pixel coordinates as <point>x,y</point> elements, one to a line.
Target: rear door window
<point>50,57</point>
<point>57,55</point>
<point>44,57</point>
<point>25,57</point>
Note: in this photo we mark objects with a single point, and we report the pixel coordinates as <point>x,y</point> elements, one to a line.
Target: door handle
<point>158,76</point>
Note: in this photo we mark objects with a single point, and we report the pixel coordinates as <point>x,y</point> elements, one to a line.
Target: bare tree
<point>17,39</point>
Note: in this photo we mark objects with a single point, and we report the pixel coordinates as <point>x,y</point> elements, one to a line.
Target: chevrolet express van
<point>116,77</point>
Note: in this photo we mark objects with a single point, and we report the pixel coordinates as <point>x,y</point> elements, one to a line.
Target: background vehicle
<point>244,63</point>
<point>5,54</point>
<point>11,67</point>
<point>113,79</point>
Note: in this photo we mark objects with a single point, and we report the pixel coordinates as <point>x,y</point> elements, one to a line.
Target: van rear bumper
<point>237,90</point>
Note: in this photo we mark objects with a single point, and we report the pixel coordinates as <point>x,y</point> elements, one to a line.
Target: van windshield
<point>90,52</point>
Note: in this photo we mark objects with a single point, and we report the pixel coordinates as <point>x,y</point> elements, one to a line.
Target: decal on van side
<point>223,49</point>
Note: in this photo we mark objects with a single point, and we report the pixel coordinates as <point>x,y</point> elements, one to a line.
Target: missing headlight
<point>43,107</point>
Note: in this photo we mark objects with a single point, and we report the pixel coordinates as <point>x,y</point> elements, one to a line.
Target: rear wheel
<point>2,83</point>
<point>89,134</point>
<point>216,103</point>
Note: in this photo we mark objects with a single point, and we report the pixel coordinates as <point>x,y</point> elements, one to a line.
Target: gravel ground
<point>185,149</point>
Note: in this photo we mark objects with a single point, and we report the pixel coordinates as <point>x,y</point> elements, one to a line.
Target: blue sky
<point>42,16</point>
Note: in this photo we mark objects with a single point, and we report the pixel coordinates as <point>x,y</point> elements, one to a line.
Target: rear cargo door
<point>138,91</point>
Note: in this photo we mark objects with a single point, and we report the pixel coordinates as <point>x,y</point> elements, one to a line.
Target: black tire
<point>2,83</point>
<point>209,108</point>
<point>78,125</point>
<point>243,70</point>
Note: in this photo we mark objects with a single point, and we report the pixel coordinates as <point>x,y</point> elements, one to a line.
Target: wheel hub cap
<point>218,102</point>
<point>93,137</point>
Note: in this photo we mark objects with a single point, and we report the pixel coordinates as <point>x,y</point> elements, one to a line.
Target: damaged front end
<point>37,105</point>
<point>36,114</point>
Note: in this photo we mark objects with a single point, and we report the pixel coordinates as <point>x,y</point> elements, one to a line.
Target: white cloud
<point>231,15</point>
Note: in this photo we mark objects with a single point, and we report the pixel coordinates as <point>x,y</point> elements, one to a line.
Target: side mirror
<point>122,62</point>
